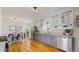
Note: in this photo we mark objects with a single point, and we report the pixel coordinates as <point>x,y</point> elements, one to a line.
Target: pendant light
<point>35,8</point>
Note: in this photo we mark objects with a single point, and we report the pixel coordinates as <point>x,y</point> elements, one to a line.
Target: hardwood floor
<point>19,46</point>
<point>27,45</point>
<point>37,46</point>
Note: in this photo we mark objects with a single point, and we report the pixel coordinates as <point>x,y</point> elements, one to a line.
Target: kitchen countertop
<point>64,36</point>
<point>3,38</point>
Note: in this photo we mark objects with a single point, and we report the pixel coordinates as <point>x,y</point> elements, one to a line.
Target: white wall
<point>7,23</point>
<point>0,22</point>
<point>76,30</point>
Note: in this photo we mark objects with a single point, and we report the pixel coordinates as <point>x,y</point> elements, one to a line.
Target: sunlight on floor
<point>27,45</point>
<point>20,45</point>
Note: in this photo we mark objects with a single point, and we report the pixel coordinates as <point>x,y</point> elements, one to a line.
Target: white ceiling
<point>27,14</point>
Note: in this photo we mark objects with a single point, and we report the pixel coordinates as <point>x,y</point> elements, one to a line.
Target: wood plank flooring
<point>37,46</point>
<point>19,46</point>
<point>27,45</point>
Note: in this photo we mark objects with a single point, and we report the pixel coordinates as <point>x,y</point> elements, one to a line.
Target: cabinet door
<point>37,37</point>
<point>47,39</point>
<point>59,43</point>
<point>2,46</point>
<point>66,19</point>
<point>54,41</point>
<point>55,20</point>
<point>41,37</point>
<point>62,43</point>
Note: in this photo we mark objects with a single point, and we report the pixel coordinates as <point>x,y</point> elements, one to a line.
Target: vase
<point>67,34</point>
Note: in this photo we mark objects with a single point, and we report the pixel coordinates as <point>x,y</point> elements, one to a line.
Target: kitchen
<point>56,30</point>
<point>53,26</point>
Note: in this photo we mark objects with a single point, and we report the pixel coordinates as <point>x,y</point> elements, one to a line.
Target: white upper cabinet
<point>62,20</point>
<point>57,21</point>
<point>66,20</point>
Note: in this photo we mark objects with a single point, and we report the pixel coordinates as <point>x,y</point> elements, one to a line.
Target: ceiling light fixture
<point>35,8</point>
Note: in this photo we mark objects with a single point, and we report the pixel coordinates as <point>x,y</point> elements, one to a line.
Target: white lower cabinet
<point>2,46</point>
<point>65,43</point>
<point>47,39</point>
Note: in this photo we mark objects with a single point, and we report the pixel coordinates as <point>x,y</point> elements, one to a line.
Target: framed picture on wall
<point>12,28</point>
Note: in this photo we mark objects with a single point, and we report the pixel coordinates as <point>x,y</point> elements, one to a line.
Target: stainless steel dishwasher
<point>65,43</point>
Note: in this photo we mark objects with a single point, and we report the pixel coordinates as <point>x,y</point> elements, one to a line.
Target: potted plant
<point>67,31</point>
